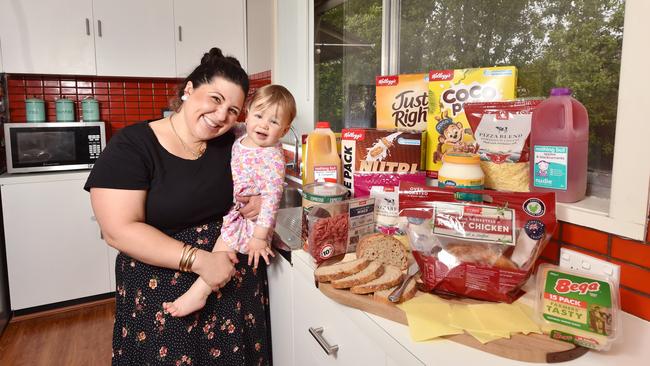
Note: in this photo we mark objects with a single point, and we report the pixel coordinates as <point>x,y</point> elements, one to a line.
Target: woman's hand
<point>215,268</point>
<point>251,207</point>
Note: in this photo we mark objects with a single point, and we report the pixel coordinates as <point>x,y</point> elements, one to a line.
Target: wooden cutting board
<point>528,348</point>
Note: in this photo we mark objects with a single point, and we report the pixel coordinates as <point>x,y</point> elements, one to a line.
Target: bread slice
<point>408,293</point>
<point>374,270</point>
<point>392,276</point>
<point>340,270</point>
<point>383,248</point>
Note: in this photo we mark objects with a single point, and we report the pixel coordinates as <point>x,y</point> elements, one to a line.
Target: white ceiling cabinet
<point>203,24</point>
<point>49,37</point>
<point>134,38</point>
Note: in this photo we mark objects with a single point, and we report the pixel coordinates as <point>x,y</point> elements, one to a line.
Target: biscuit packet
<point>483,250</point>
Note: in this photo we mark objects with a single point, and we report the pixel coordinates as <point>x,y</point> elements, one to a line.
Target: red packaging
<point>482,250</point>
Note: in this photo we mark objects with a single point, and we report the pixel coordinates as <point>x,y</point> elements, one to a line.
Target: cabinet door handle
<point>99,28</point>
<point>87,26</point>
<point>317,333</point>
<point>180,34</point>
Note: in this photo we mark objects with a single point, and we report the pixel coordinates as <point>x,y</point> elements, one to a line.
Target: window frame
<point>625,213</point>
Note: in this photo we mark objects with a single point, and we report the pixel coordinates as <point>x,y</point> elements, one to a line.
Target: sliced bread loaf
<point>340,270</point>
<point>383,248</point>
<point>374,270</point>
<point>392,276</point>
<point>408,293</point>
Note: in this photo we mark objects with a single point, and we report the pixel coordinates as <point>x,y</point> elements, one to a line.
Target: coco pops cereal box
<point>402,101</point>
<point>449,90</point>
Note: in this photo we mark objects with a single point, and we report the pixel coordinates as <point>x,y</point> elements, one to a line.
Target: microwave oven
<point>53,146</point>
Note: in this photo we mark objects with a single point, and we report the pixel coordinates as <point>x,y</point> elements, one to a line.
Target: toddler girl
<point>257,168</point>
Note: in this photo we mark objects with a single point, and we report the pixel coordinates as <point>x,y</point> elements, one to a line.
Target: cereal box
<point>379,151</point>
<point>449,90</point>
<point>402,101</point>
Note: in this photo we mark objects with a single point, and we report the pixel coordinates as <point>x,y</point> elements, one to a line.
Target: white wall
<point>259,26</point>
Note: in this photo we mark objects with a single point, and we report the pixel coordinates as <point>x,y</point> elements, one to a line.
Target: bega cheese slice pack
<point>578,307</point>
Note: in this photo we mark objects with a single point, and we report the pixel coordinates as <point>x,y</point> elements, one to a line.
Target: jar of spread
<point>462,170</point>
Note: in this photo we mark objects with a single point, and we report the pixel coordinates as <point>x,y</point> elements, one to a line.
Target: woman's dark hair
<point>213,63</point>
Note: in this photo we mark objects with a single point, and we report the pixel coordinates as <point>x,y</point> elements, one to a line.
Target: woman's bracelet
<point>184,256</point>
<point>187,259</point>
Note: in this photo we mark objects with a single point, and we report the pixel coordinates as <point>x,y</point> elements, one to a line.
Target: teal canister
<point>90,110</point>
<point>64,110</point>
<point>35,110</point>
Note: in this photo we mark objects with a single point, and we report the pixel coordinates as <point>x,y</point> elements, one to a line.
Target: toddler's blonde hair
<point>273,94</point>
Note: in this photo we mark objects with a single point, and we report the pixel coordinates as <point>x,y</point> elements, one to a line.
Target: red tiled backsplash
<point>633,257</point>
<point>122,101</point>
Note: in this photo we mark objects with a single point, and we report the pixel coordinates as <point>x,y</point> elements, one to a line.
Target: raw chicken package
<point>483,250</point>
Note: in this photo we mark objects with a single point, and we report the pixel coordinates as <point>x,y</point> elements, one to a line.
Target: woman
<point>159,190</point>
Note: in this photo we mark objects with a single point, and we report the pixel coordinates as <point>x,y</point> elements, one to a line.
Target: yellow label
<point>460,183</point>
<point>565,311</point>
<point>402,102</point>
<point>449,90</point>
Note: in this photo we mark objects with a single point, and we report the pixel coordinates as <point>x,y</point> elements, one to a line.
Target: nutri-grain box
<point>380,151</point>
<point>402,101</point>
<point>449,90</point>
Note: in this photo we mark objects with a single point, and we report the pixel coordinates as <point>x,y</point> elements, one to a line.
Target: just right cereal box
<point>449,90</point>
<point>402,101</point>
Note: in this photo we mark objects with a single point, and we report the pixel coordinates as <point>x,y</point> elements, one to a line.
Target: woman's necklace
<point>187,148</point>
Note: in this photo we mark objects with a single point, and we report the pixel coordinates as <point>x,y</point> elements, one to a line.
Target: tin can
<point>326,194</point>
<point>64,110</point>
<point>35,110</point>
<point>323,192</point>
<point>90,110</point>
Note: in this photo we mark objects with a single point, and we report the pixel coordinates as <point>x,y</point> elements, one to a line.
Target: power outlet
<point>585,263</point>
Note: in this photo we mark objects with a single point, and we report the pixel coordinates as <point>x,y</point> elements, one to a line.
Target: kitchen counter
<point>394,337</point>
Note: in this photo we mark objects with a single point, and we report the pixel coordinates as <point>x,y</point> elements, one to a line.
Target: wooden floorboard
<point>77,337</point>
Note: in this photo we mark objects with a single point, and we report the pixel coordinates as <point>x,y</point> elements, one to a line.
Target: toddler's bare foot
<point>184,305</point>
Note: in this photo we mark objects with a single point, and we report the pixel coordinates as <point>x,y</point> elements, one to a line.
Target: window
<point>580,44</point>
<point>347,58</point>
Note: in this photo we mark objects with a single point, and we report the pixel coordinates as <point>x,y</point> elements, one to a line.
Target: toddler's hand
<point>256,248</point>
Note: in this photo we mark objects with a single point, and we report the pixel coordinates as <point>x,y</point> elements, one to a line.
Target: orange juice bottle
<point>322,161</point>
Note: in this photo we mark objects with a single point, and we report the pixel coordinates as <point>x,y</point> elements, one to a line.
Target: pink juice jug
<point>559,143</point>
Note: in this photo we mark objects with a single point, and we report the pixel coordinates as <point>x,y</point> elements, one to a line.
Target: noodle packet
<point>483,250</point>
<point>502,133</point>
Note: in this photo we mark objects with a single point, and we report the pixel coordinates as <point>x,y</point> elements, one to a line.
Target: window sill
<point>593,212</point>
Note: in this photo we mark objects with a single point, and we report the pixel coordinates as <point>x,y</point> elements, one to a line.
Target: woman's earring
<point>184,97</point>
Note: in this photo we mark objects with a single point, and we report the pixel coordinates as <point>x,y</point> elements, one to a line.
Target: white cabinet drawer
<point>313,309</point>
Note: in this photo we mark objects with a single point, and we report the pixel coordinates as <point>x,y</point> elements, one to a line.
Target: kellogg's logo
<point>387,80</point>
<point>441,75</point>
<point>355,135</point>
<point>564,286</point>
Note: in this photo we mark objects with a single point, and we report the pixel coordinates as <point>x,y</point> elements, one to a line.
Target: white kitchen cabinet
<point>360,340</point>
<point>53,244</point>
<point>202,24</point>
<point>47,37</point>
<point>134,38</point>
<point>280,277</point>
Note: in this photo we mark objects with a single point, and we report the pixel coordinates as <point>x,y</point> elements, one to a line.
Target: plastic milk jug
<point>322,163</point>
<point>559,143</point>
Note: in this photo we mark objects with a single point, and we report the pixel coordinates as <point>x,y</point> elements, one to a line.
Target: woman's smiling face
<point>212,109</point>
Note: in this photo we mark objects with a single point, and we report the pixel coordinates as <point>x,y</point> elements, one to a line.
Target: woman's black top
<point>180,193</point>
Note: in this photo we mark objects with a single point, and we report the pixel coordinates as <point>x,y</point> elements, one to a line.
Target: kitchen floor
<point>77,337</point>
